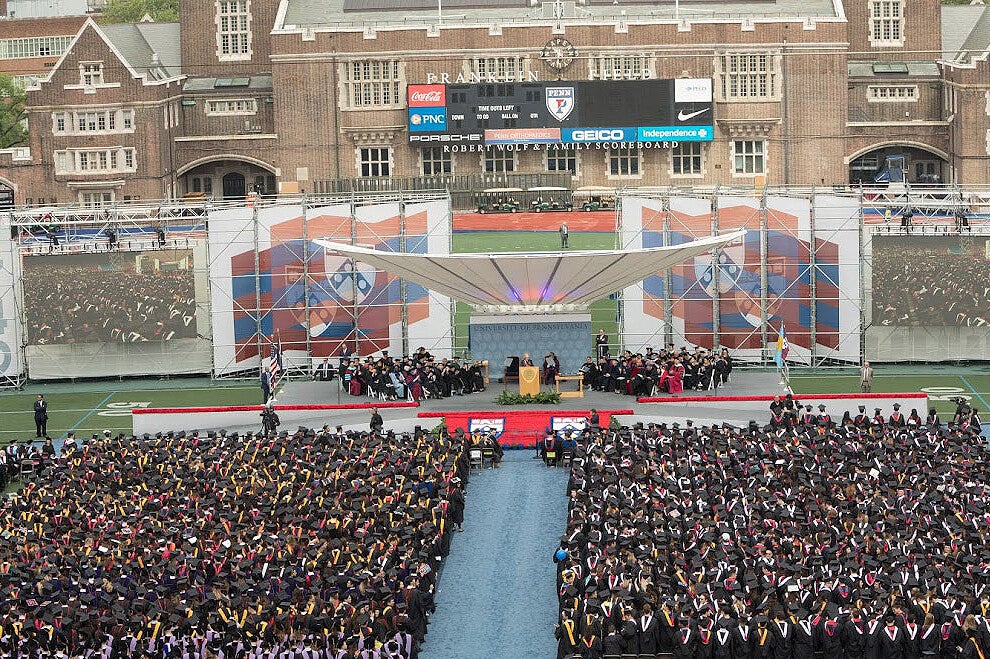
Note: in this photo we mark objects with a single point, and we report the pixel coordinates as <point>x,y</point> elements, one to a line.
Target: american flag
<point>275,363</point>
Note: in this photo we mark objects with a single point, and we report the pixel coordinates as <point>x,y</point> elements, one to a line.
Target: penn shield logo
<point>487,426</point>
<point>575,424</point>
<point>560,102</point>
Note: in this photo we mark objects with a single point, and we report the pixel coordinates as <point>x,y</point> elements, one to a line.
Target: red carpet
<point>280,408</point>
<point>520,428</point>
<point>767,399</point>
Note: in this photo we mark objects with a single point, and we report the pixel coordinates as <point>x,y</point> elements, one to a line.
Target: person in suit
<point>325,371</point>
<point>601,343</point>
<point>41,416</point>
<point>266,387</point>
<point>866,378</point>
<point>376,420</point>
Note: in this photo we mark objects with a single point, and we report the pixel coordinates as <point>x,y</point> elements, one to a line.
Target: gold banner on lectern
<point>529,380</point>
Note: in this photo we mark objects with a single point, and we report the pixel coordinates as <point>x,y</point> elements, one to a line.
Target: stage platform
<point>313,404</point>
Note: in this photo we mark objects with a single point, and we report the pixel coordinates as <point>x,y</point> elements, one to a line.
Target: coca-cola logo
<point>427,96</point>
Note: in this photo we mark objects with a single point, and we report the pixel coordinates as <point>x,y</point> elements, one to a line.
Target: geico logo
<point>589,135</point>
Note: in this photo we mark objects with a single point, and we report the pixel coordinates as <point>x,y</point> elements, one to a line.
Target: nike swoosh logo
<point>684,117</point>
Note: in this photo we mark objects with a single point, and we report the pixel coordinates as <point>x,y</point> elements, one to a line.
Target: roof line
<point>512,289</point>
<point>553,273</point>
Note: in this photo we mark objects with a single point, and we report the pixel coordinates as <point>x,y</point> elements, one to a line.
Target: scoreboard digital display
<point>563,112</point>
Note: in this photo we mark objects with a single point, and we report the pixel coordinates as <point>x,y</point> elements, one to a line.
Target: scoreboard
<point>563,112</point>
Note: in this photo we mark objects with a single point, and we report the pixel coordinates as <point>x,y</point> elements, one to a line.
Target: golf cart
<point>498,200</point>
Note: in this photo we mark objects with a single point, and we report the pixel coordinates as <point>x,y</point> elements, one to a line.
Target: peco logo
<point>427,96</point>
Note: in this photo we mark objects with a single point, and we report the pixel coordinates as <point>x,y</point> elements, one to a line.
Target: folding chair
<point>27,468</point>
<point>477,459</point>
<point>488,457</point>
<point>566,457</point>
<point>551,458</point>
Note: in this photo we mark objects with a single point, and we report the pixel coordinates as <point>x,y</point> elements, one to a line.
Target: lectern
<point>529,380</point>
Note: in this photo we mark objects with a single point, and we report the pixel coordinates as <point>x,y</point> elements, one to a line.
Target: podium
<point>529,380</point>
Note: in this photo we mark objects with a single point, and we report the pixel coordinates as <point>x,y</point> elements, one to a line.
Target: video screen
<point>114,297</point>
<point>931,281</point>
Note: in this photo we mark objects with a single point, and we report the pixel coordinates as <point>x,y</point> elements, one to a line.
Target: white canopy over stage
<point>531,281</point>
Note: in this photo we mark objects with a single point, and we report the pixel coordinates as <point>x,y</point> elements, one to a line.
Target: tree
<point>13,127</point>
<point>132,11</point>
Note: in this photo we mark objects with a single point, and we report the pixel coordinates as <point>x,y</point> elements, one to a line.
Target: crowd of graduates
<point>930,284</point>
<point>312,544</point>
<point>863,538</point>
<point>414,377</point>
<point>667,371</point>
<point>78,304</point>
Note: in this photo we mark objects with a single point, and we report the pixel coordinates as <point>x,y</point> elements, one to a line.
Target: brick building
<point>310,95</point>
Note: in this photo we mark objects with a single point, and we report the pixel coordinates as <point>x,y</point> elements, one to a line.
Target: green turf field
<point>940,387</point>
<point>97,407</point>
<point>603,312</point>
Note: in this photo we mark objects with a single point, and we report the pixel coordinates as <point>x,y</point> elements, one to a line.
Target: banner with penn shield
<point>561,424</point>
<point>560,102</point>
<point>487,426</point>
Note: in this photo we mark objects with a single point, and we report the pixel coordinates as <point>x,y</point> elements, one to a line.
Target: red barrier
<point>767,399</point>
<point>280,408</point>
<point>518,427</point>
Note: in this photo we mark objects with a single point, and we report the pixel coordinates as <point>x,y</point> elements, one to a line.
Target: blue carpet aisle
<point>496,595</point>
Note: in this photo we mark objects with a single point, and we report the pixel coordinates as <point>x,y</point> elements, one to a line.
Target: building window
<point>372,83</point>
<point>623,161</point>
<point>93,121</point>
<point>748,157</point>
<point>893,93</point>
<point>686,159</point>
<point>562,161</point>
<point>96,198</point>
<point>497,161</point>
<point>749,76</point>
<point>95,161</point>
<point>436,161</point>
<point>232,106</point>
<point>375,161</point>
<point>887,22</point>
<point>497,69</point>
<point>233,29</point>
<point>90,74</point>
<point>29,47</point>
<point>618,67</point>
<point>204,185</point>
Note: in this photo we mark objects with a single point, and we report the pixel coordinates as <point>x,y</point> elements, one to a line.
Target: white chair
<point>477,458</point>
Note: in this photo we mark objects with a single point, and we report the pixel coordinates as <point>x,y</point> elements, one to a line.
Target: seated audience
<point>802,538</point>
<point>315,544</point>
